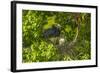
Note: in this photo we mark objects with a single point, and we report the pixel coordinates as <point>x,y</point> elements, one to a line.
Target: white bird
<point>61,41</point>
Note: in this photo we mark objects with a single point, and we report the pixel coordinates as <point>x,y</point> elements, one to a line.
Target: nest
<point>63,46</point>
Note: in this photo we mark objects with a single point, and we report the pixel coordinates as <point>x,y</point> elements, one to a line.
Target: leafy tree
<point>75,29</point>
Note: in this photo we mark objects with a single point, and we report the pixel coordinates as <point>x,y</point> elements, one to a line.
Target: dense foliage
<point>37,48</point>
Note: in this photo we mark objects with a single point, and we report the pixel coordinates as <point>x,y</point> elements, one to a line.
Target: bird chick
<point>61,41</point>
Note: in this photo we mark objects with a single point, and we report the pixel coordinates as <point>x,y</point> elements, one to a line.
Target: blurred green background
<point>36,48</point>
